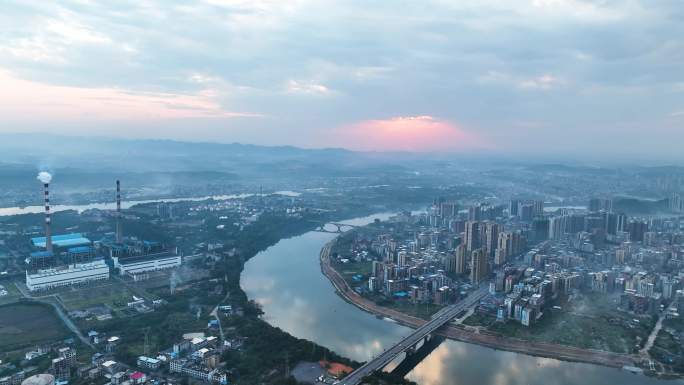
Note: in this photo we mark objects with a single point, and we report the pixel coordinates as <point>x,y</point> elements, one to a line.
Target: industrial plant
<point>72,258</point>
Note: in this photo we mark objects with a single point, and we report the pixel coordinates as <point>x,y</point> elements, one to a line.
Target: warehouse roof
<point>63,240</point>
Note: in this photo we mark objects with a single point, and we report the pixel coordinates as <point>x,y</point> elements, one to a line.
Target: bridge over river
<point>410,342</point>
<point>333,227</point>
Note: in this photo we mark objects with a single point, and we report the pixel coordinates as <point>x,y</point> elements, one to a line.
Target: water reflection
<point>460,364</point>
<point>286,280</point>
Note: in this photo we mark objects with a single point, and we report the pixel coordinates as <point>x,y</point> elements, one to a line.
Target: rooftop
<point>148,360</point>
<point>63,240</point>
<point>41,254</point>
<point>137,375</point>
<point>80,250</point>
<point>108,364</point>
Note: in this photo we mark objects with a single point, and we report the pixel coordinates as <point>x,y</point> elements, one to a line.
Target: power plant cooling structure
<point>119,236</point>
<point>48,233</point>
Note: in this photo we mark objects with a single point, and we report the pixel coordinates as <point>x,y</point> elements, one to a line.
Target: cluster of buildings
<point>422,282</point>
<point>61,367</point>
<point>436,256</point>
<point>521,294</point>
<point>439,255</point>
<point>247,212</point>
<point>196,356</point>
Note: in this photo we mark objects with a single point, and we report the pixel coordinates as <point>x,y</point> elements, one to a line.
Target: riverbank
<point>126,204</point>
<point>560,352</point>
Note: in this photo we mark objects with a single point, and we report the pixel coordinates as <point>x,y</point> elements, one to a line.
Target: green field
<point>668,347</point>
<point>113,294</point>
<point>13,294</point>
<point>25,325</point>
<point>348,270</point>
<point>424,311</point>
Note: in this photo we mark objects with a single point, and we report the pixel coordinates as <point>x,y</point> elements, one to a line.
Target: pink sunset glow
<point>26,100</point>
<point>410,133</point>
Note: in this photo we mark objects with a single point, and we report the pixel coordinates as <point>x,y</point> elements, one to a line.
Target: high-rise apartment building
<point>475,213</point>
<point>472,235</point>
<point>491,237</point>
<point>460,259</point>
<point>478,263</point>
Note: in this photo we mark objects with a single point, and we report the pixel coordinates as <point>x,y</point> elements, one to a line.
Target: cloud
<point>528,124</point>
<point>75,32</point>
<point>371,72</point>
<point>543,82</point>
<point>409,133</point>
<point>540,82</point>
<point>307,88</point>
<point>20,99</point>
<point>55,37</point>
<point>578,66</point>
<point>579,9</point>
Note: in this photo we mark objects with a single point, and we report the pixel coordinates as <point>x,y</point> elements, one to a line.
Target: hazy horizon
<point>56,153</point>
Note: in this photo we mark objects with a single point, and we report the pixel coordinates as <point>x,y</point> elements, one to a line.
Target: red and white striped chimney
<point>48,233</point>
<point>119,236</point>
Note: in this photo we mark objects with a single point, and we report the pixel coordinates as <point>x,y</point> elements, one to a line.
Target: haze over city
<point>559,77</point>
<point>340,192</point>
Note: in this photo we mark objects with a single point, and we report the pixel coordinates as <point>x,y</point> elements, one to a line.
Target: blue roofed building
<point>72,261</point>
<point>63,240</point>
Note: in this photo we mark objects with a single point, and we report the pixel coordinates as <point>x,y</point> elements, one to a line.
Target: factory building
<point>61,260</point>
<point>134,258</point>
<point>138,264</point>
<point>78,273</point>
<point>70,259</point>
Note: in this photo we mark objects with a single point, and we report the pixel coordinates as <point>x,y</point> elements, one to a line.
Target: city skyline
<point>548,77</point>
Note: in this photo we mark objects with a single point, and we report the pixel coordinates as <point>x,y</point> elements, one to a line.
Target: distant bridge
<point>410,343</point>
<point>338,227</point>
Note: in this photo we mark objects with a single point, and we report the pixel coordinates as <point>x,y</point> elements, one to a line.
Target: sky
<point>571,77</point>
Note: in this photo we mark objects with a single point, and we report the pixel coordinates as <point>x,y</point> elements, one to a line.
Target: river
<point>6,211</point>
<point>287,281</point>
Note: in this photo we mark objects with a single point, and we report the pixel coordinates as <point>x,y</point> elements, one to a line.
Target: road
<point>214,313</point>
<point>652,337</point>
<point>54,301</point>
<point>438,320</point>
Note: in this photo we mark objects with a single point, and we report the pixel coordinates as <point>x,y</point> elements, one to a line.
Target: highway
<point>438,320</point>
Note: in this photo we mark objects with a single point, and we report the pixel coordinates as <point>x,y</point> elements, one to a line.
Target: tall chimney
<point>118,212</point>
<point>48,233</point>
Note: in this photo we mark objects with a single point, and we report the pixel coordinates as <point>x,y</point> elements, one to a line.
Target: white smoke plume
<point>174,280</point>
<point>44,177</point>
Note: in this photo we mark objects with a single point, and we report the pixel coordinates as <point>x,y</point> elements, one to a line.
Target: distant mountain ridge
<point>66,151</point>
<point>97,160</point>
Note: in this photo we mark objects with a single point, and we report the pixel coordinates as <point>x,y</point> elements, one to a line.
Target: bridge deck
<point>438,320</point>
